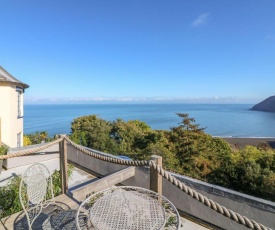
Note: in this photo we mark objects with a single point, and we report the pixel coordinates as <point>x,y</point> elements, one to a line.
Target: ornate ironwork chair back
<point>35,191</point>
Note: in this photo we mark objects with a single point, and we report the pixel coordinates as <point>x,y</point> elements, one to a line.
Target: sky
<point>182,51</point>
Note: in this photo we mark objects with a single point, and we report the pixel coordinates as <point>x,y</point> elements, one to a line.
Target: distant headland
<point>267,105</point>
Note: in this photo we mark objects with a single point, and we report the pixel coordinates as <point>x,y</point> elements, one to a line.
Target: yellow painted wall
<point>11,125</point>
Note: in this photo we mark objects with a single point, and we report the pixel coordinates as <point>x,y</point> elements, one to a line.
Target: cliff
<point>267,105</point>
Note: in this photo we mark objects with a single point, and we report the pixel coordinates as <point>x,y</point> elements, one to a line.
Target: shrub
<point>3,150</point>
<point>37,138</point>
<point>26,140</point>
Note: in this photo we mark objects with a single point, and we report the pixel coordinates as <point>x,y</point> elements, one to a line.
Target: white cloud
<point>201,20</point>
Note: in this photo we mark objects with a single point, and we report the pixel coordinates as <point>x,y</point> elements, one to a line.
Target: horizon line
<point>187,100</point>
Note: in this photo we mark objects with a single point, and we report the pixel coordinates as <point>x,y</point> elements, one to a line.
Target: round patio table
<point>127,208</point>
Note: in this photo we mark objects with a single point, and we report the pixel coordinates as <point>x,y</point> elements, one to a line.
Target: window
<point>19,91</point>
<point>18,139</point>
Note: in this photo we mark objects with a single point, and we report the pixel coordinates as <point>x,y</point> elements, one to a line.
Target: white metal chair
<point>35,188</point>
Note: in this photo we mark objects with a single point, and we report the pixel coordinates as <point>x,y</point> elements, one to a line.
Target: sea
<point>223,120</point>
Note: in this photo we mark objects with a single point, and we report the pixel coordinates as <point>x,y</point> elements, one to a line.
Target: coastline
<point>241,142</point>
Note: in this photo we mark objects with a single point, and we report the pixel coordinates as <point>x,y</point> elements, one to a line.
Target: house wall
<point>11,125</point>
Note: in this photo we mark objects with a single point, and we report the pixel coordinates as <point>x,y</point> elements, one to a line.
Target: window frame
<point>19,91</point>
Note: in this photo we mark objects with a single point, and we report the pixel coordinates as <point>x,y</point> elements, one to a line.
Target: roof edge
<point>15,81</point>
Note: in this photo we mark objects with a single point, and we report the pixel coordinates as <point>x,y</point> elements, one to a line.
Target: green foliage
<point>185,149</point>
<point>189,144</point>
<point>56,180</point>
<point>133,138</point>
<point>188,124</point>
<point>9,197</point>
<point>3,150</point>
<point>26,140</point>
<point>93,132</point>
<point>36,138</point>
<point>9,194</point>
<point>252,172</point>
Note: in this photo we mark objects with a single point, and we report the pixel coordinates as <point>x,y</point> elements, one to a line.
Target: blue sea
<point>225,120</point>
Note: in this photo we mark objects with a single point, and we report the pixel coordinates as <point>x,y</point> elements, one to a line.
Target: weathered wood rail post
<point>63,165</point>
<point>155,177</point>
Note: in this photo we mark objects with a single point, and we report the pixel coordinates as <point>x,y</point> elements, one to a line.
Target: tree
<point>188,142</point>
<point>188,124</point>
<point>133,138</point>
<point>250,170</point>
<point>93,132</point>
<point>185,149</point>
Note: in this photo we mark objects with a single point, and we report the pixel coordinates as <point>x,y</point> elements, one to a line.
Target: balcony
<point>95,171</point>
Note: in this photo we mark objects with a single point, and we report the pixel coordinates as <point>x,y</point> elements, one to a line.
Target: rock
<point>267,105</point>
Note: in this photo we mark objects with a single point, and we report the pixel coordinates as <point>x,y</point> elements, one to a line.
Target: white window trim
<point>19,91</point>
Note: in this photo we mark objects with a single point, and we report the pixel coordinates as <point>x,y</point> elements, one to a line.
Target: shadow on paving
<point>58,216</point>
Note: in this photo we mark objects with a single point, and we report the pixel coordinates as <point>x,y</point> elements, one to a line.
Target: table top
<point>128,208</point>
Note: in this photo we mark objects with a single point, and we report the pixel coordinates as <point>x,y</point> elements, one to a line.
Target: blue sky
<point>140,51</point>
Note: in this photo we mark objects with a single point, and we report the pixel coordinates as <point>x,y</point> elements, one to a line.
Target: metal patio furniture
<point>35,191</point>
<point>127,207</point>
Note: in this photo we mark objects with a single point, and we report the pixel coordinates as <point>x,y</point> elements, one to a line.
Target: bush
<point>36,138</point>
<point>3,150</point>
<point>26,140</point>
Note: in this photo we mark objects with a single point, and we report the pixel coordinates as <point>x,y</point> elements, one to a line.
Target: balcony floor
<point>62,217</point>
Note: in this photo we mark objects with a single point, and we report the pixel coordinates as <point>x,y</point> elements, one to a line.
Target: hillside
<point>267,105</point>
